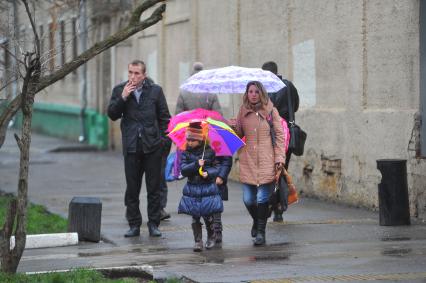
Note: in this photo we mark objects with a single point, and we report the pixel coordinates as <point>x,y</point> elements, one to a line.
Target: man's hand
<point>205,174</point>
<point>219,181</point>
<point>128,88</point>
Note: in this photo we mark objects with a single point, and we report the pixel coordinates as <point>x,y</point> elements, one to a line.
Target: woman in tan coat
<point>261,158</point>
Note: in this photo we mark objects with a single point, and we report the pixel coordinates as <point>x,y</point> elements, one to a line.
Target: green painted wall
<point>64,121</point>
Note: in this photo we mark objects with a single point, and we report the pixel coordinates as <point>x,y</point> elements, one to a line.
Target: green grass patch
<point>74,276</point>
<point>39,220</point>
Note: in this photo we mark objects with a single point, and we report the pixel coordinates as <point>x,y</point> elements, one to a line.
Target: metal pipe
<point>83,69</point>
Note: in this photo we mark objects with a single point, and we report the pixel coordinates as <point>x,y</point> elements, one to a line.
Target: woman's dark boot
<point>252,209</point>
<point>211,239</point>
<point>217,227</point>
<point>262,213</point>
<point>198,236</point>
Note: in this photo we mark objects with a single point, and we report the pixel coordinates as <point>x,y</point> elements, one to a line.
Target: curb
<point>74,148</point>
<point>48,240</point>
<point>143,271</point>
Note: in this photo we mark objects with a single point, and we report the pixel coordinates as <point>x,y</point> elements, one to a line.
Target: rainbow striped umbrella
<point>223,140</point>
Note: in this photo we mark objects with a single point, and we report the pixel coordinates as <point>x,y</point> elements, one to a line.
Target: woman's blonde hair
<point>263,94</point>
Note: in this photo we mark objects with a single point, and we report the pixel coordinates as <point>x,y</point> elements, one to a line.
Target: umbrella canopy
<point>223,140</point>
<point>198,113</point>
<point>231,79</point>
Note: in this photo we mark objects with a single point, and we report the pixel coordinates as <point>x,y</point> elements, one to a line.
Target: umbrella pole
<point>204,149</point>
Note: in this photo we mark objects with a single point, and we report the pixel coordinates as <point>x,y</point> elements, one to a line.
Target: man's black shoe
<point>164,215</point>
<point>278,217</point>
<point>153,230</point>
<point>133,232</point>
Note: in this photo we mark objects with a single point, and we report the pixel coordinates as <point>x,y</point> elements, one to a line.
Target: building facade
<point>358,66</point>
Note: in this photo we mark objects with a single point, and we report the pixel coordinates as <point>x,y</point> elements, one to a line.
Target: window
<point>51,54</point>
<point>41,37</point>
<point>74,41</point>
<point>62,42</point>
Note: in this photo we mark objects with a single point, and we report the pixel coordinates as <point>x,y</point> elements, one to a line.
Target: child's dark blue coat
<point>201,197</point>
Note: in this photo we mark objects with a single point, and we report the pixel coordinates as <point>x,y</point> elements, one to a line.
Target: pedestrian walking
<point>280,101</point>
<point>260,161</point>
<point>142,108</point>
<point>201,196</point>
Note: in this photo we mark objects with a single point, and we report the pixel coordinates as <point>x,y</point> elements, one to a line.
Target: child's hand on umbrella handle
<point>201,162</point>
<point>205,174</point>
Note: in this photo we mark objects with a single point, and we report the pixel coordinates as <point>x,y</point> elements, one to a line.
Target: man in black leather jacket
<point>280,101</point>
<point>142,108</point>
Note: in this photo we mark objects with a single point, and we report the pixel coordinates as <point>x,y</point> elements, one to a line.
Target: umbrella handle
<point>200,171</point>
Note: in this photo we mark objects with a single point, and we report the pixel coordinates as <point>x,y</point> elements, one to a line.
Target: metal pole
<point>83,69</point>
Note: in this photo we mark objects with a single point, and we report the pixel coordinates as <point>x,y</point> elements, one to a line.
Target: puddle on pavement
<point>395,239</point>
<point>396,252</point>
<point>270,257</point>
<point>41,162</point>
<point>120,252</point>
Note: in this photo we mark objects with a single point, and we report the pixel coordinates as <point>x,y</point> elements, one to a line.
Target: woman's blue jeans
<point>254,195</point>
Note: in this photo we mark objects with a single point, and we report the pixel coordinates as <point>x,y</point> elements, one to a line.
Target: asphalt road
<point>317,242</point>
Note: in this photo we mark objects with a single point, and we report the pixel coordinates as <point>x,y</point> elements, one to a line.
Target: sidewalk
<point>319,240</point>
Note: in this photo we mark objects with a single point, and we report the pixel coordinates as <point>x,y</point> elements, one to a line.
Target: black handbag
<point>279,197</point>
<point>297,135</point>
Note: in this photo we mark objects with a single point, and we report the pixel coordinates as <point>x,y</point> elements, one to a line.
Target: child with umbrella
<point>201,196</point>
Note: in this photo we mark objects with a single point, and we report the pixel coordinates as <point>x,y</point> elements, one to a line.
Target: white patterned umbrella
<point>231,79</point>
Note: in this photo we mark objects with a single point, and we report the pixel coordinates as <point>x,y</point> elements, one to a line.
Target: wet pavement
<point>317,242</point>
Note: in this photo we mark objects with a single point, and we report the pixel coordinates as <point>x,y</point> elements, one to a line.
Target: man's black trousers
<point>135,165</point>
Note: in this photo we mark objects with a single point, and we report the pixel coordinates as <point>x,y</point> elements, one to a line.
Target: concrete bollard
<point>393,193</point>
<point>84,217</point>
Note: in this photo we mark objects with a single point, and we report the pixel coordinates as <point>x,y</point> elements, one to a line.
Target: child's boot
<point>198,236</point>
<point>217,219</point>
<point>211,239</point>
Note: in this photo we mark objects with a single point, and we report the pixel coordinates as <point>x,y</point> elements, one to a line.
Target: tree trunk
<point>11,258</point>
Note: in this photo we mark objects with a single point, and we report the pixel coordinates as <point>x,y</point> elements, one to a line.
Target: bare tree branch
<point>18,141</point>
<point>131,29</point>
<point>7,83</point>
<point>36,38</point>
<point>103,45</point>
<point>11,54</point>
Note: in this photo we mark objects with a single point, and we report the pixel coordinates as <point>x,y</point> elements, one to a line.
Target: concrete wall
<point>355,64</point>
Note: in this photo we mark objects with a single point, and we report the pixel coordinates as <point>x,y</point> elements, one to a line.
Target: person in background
<point>190,101</point>
<point>142,108</point>
<point>280,101</point>
<point>201,196</point>
<point>261,161</point>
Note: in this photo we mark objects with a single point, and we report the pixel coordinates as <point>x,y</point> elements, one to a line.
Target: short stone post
<point>84,217</point>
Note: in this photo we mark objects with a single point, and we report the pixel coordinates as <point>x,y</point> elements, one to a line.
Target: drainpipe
<point>83,69</point>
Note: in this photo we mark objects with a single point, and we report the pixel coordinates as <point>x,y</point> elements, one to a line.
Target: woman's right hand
<point>232,122</point>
